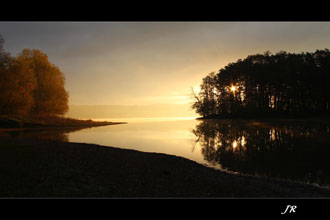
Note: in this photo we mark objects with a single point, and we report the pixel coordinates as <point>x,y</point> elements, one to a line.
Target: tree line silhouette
<point>30,85</point>
<point>267,85</point>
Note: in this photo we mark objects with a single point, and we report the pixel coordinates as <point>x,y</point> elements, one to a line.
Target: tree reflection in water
<point>291,150</point>
<point>50,134</point>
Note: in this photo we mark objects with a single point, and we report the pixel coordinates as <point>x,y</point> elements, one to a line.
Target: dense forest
<point>30,86</point>
<point>268,85</point>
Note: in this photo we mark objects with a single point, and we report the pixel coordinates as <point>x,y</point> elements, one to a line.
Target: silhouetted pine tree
<point>266,84</point>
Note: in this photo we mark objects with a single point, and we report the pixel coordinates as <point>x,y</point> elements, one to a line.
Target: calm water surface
<point>161,135</point>
<point>293,150</point>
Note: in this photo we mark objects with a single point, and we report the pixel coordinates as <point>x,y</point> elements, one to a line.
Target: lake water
<point>161,135</point>
<point>293,150</point>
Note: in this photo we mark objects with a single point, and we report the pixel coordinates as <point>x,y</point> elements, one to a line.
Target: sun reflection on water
<point>234,145</point>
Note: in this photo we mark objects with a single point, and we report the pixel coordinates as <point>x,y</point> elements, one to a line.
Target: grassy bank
<point>59,169</point>
<point>10,122</point>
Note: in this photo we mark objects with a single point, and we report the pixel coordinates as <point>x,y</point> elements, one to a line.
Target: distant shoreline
<point>15,124</point>
<point>60,127</point>
<point>267,118</point>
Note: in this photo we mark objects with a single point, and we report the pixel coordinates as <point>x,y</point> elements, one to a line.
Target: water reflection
<point>292,150</point>
<point>51,134</point>
<point>297,151</point>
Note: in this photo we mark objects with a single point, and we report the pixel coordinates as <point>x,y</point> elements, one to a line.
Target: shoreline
<point>19,124</point>
<point>66,169</point>
<point>284,117</point>
<point>305,120</point>
<point>60,127</point>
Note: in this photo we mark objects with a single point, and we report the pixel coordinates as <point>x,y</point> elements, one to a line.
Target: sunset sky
<point>142,63</point>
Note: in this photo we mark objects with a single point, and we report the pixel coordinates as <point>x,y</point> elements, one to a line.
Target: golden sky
<point>145,63</point>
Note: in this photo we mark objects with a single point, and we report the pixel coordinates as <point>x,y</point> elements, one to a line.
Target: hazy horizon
<point>130,111</point>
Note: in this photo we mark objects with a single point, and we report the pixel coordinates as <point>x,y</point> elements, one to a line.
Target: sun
<point>197,89</point>
<point>233,88</point>
<point>234,144</point>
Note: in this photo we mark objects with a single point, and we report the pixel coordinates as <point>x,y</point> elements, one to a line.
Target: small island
<point>282,85</point>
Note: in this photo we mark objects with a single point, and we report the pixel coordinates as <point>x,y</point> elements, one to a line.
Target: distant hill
<point>130,111</point>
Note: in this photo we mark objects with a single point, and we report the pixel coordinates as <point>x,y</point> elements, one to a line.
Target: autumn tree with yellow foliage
<point>30,85</point>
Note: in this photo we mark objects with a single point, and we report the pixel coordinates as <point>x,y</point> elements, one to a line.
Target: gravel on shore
<point>69,170</point>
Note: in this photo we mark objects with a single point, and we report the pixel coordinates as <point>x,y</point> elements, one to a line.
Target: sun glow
<point>243,141</point>
<point>234,144</point>
<point>197,89</point>
<point>233,88</point>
